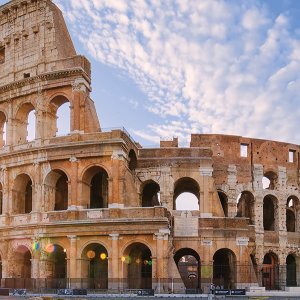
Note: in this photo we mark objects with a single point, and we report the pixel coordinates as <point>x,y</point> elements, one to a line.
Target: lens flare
<point>90,254</point>
<point>103,256</point>
<point>35,246</point>
<point>50,248</point>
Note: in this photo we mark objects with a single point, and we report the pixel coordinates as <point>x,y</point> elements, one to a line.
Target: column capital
<point>72,237</point>
<point>114,236</point>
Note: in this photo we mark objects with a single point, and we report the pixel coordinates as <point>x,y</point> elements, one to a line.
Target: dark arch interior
<point>224,202</point>
<point>61,192</point>
<point>188,264</point>
<point>139,263</point>
<point>99,189</point>
<point>97,257</point>
<point>270,272</point>
<point>59,264</point>
<point>150,194</point>
<point>224,269</point>
<point>269,213</point>
<point>291,271</point>
<point>245,206</point>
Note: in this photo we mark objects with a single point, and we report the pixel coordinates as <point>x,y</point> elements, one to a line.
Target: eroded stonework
<point>99,210</point>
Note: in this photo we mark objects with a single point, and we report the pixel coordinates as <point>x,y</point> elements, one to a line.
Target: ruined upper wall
<point>33,40</point>
<point>270,155</point>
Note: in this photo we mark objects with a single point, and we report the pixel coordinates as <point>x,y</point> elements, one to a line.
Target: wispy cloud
<point>206,66</point>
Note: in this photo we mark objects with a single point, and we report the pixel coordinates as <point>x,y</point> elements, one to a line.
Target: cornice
<point>44,77</point>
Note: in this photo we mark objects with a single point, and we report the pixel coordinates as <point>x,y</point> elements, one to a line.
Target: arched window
<point>22,263</point>
<point>271,271</point>
<point>22,194</point>
<point>59,116</point>
<point>245,206</point>
<point>3,122</point>
<point>224,268</point>
<point>95,266</point>
<point>186,194</point>
<point>57,265</point>
<point>150,194</point>
<point>56,191</point>
<point>270,213</point>
<point>269,180</point>
<point>291,271</point>
<point>189,266</point>
<point>137,266</point>
<point>224,202</point>
<point>25,121</point>
<point>292,207</point>
<point>95,187</point>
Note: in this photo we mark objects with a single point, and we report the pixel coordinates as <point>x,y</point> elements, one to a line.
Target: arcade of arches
<point>92,208</point>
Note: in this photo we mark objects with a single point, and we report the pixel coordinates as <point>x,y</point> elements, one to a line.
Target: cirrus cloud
<point>206,66</point>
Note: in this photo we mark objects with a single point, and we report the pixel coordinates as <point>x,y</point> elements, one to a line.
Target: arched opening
<point>57,264</point>
<point>95,266</point>
<point>132,160</point>
<point>150,194</point>
<point>31,126</point>
<point>245,206</point>
<point>224,269</point>
<point>63,119</point>
<point>270,213</point>
<point>3,123</point>
<point>22,267</point>
<point>269,180</point>
<point>186,194</point>
<point>292,206</point>
<point>59,116</point>
<point>137,264</point>
<point>1,199</point>
<point>95,187</point>
<point>224,202</point>
<point>25,121</point>
<point>22,194</point>
<point>291,271</point>
<point>188,264</point>
<point>56,191</point>
<point>270,272</point>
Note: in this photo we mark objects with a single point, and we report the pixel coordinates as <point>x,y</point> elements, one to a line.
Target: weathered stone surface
<point>100,191</point>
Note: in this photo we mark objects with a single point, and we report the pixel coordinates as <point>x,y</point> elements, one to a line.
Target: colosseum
<point>94,209</point>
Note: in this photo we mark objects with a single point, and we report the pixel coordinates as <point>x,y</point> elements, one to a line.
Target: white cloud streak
<point>206,66</point>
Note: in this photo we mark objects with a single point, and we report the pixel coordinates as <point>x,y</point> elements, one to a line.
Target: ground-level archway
<point>224,269</point>
<point>137,266</point>
<point>270,272</point>
<point>188,264</point>
<point>95,266</point>
<point>291,271</point>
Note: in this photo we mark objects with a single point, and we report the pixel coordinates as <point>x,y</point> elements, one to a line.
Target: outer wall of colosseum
<point>94,209</point>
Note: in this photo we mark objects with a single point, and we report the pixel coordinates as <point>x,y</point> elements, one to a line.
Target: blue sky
<point>174,67</point>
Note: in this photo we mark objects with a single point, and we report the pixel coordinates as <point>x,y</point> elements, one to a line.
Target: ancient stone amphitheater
<point>94,209</point>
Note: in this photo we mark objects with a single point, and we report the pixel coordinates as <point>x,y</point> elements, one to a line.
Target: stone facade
<point>94,209</point>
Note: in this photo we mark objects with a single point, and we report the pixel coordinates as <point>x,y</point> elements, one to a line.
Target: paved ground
<point>169,297</point>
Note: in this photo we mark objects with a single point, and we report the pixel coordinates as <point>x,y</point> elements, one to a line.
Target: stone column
<point>9,125</point>
<point>113,262</point>
<point>206,194</point>
<point>115,198</point>
<point>5,191</point>
<point>72,270</point>
<point>72,186</point>
<point>80,90</point>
